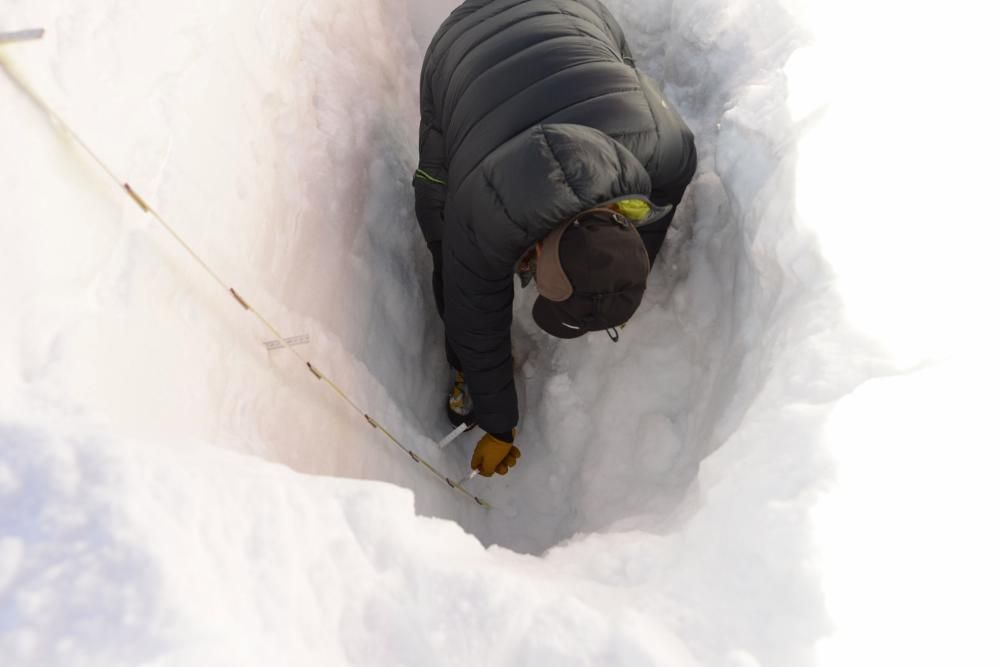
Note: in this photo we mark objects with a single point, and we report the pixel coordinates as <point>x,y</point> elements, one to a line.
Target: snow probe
<point>60,124</point>
<point>21,35</point>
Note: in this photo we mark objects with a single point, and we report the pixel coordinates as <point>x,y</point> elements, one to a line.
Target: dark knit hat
<point>591,274</point>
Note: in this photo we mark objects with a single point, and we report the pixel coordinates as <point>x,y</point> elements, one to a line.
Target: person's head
<point>591,274</point>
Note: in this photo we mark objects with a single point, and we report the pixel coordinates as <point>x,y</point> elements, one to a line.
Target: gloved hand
<point>459,405</point>
<point>494,455</point>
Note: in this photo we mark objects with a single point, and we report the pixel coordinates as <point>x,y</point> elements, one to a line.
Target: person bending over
<point>544,153</point>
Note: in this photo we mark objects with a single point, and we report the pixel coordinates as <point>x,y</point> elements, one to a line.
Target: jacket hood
<point>539,179</point>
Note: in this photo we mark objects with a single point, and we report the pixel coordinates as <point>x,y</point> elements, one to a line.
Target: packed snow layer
<point>130,554</point>
<point>735,483</point>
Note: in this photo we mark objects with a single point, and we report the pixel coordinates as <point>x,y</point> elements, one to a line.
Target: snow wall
<point>708,491</point>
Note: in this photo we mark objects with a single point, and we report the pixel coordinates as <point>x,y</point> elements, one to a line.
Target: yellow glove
<point>494,455</point>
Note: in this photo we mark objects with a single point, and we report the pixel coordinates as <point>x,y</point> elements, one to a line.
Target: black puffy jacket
<point>531,111</point>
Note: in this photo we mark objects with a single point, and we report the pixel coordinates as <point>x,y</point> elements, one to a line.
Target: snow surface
<point>789,459</point>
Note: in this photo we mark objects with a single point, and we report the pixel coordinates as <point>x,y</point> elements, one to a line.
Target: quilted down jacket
<point>531,112</point>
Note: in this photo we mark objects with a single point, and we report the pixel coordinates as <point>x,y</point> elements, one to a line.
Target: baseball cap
<point>591,274</point>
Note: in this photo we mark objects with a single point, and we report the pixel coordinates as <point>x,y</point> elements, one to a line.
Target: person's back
<point>532,112</point>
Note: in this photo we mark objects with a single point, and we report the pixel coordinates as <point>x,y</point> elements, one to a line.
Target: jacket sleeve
<point>669,190</point>
<point>430,181</point>
<point>672,165</point>
<point>478,299</point>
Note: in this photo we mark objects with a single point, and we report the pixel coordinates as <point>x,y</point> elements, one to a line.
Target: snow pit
<point>667,508</point>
